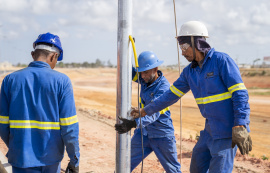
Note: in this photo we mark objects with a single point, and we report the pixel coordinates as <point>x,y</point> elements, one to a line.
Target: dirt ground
<point>95,96</point>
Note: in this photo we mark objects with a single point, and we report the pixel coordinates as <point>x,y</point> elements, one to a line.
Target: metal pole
<point>123,100</point>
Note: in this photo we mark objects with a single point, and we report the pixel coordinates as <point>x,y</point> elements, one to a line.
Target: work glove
<point>241,138</point>
<point>125,126</point>
<point>72,169</point>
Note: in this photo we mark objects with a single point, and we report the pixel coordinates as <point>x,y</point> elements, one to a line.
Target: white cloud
<point>13,5</point>
<point>41,7</point>
<point>232,14</point>
<point>149,10</point>
<point>260,14</point>
<point>230,23</point>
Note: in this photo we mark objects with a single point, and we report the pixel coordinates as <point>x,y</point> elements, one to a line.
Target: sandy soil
<point>95,95</point>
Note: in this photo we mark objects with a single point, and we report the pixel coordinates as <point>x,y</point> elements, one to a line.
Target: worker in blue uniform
<point>217,86</point>
<point>37,113</point>
<point>158,130</point>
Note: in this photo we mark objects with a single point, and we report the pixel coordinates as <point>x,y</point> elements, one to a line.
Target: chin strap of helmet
<point>194,62</point>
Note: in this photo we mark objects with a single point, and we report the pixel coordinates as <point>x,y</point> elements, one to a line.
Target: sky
<point>88,28</point>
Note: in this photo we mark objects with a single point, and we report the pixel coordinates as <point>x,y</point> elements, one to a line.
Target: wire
<point>179,66</point>
<point>140,118</point>
<point>138,75</point>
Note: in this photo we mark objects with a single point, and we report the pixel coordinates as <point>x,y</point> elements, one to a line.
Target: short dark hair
<point>42,52</point>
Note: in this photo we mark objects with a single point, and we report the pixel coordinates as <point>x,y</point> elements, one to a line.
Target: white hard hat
<point>193,28</point>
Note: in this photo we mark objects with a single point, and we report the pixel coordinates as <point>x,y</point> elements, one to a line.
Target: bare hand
<point>135,113</point>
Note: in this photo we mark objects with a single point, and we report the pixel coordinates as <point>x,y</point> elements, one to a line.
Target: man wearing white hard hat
<point>217,86</point>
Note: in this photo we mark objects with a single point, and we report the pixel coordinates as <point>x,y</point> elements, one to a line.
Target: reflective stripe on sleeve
<point>135,77</point>
<point>142,105</point>
<point>236,87</point>
<point>164,110</point>
<point>68,121</point>
<point>176,91</point>
<point>4,119</point>
<point>214,98</point>
<point>26,124</point>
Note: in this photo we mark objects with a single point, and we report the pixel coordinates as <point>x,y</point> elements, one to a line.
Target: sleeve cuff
<point>240,122</point>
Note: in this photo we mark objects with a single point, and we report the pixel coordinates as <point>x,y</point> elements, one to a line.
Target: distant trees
<point>98,63</point>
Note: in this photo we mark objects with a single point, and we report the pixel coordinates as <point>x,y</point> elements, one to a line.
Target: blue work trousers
<point>55,168</point>
<point>212,155</point>
<point>164,148</point>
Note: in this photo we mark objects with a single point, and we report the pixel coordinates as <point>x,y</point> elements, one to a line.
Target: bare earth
<point>95,95</point>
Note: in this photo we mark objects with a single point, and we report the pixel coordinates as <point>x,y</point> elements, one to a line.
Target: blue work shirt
<point>157,124</point>
<point>38,117</point>
<point>219,92</point>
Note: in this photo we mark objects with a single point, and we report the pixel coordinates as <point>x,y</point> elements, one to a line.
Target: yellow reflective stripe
<point>236,87</point>
<point>68,121</point>
<point>35,127</point>
<point>135,77</point>
<point>33,121</point>
<point>214,98</point>
<point>176,91</point>
<point>26,124</point>
<point>4,119</point>
<point>142,105</point>
<point>164,110</point>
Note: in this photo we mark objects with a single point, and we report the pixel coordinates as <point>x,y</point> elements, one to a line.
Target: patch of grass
<point>264,157</point>
<point>190,137</point>
<point>197,137</point>
<point>260,93</point>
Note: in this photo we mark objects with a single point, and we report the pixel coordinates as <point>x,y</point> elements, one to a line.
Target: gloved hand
<point>135,113</point>
<point>241,138</point>
<point>125,126</point>
<point>72,169</point>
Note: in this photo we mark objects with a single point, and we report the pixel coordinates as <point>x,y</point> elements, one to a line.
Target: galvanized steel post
<point>123,105</point>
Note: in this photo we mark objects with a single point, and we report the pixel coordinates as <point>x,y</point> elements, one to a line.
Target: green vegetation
<point>264,157</point>
<point>197,137</point>
<point>260,93</point>
<point>190,137</point>
<point>97,64</point>
<point>85,64</point>
<point>255,72</point>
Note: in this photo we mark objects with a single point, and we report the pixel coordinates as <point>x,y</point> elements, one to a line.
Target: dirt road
<point>95,95</point>
<point>97,143</point>
<point>96,89</point>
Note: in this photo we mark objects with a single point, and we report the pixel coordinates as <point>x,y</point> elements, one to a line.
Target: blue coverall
<point>222,99</point>
<point>158,130</point>
<point>38,118</point>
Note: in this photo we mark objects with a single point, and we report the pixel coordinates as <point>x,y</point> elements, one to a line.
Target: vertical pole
<point>123,100</point>
<point>179,66</point>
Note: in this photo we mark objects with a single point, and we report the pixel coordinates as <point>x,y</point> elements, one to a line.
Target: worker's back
<point>35,105</point>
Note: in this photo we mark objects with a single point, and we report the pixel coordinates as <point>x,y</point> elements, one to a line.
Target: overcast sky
<point>88,28</point>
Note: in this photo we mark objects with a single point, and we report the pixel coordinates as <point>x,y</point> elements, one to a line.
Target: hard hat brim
<point>150,67</point>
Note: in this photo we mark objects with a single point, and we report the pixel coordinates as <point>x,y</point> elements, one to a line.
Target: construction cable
<point>175,24</point>
<point>137,72</point>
